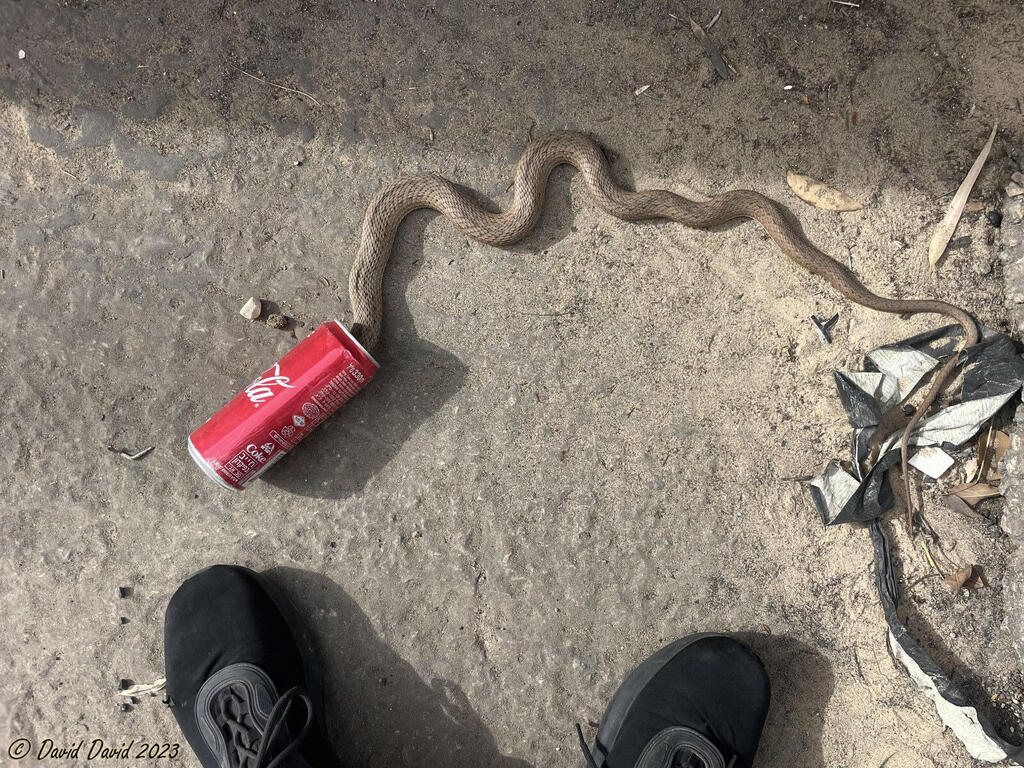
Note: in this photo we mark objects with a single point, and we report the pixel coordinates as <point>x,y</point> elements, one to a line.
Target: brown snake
<point>409,193</point>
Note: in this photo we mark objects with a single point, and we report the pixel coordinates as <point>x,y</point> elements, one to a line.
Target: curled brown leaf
<point>968,577</point>
<point>972,493</point>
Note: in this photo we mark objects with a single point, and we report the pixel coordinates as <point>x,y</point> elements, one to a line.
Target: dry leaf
<point>821,195</point>
<point>1002,442</point>
<point>943,233</point>
<point>974,206</point>
<point>982,464</point>
<point>966,578</point>
<point>990,451</point>
<point>971,468</point>
<point>957,504</point>
<point>972,493</point>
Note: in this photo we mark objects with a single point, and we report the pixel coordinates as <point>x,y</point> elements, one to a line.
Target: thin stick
<point>928,554</point>
<point>917,581</point>
<point>131,456</point>
<point>843,2</point>
<point>282,87</point>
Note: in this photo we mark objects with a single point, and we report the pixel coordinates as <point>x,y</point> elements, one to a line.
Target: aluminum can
<point>283,405</point>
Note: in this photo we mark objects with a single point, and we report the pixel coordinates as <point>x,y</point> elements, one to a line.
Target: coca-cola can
<point>283,405</point>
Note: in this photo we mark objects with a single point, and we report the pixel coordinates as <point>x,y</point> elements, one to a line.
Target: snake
<point>542,155</point>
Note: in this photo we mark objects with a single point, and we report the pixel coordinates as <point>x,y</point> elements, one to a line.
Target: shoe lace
<point>250,745</point>
<point>591,762</point>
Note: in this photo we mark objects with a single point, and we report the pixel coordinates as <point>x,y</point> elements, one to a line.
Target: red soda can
<point>270,416</point>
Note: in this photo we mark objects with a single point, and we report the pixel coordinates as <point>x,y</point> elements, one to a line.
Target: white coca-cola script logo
<point>261,389</point>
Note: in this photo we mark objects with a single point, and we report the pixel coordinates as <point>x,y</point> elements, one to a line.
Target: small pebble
<point>124,619</point>
<point>277,321</point>
<point>21,54</point>
<point>126,707</point>
<point>995,218</point>
<point>908,409</point>
<point>252,309</point>
<point>124,684</point>
<point>124,592</point>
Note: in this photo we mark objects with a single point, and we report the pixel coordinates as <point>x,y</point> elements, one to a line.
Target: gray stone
<point>1012,484</point>
<point>1011,235</point>
<point>252,309</point>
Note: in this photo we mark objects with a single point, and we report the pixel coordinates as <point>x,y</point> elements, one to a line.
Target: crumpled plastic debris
<point>993,373</point>
<point>974,731</point>
<point>932,460</point>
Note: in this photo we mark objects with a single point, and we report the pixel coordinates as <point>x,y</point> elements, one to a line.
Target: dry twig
<point>282,87</point>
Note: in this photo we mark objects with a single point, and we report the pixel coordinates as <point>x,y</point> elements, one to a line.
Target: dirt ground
<point>578,449</point>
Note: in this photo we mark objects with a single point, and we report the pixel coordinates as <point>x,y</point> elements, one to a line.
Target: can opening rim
<point>207,469</point>
<point>356,342</point>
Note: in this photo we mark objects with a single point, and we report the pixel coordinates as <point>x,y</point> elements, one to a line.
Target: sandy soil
<point>579,448</point>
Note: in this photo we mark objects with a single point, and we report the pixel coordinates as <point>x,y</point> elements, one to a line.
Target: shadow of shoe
<point>802,683</point>
<point>380,712</point>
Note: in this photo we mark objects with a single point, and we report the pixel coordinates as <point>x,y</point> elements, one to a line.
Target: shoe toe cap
<point>219,616</point>
<point>712,684</point>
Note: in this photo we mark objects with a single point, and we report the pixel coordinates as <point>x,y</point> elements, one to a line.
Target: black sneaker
<point>697,703</point>
<point>242,674</point>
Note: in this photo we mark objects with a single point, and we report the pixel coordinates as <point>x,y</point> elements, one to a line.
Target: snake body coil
<point>541,156</point>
